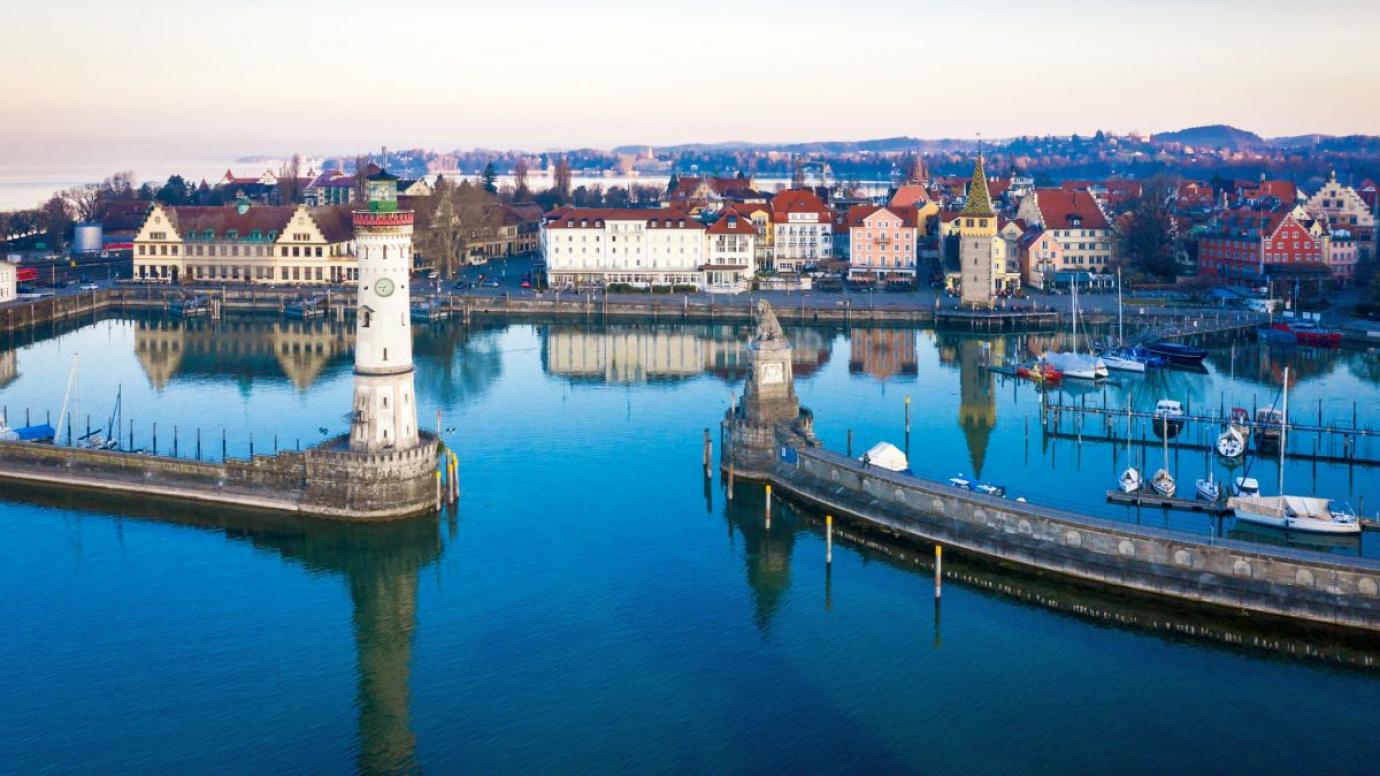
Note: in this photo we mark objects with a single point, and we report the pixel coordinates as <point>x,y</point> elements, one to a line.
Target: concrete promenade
<point>921,307</point>
<point>1294,584</point>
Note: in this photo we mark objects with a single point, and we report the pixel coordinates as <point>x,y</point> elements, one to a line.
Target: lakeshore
<point>619,409</point>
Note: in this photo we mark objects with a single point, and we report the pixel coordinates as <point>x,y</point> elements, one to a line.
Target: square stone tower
<point>977,230</point>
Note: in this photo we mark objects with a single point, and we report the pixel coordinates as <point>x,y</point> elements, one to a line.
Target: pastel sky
<point>88,81</point>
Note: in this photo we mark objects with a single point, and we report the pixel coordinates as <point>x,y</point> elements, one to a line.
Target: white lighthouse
<point>385,406</point>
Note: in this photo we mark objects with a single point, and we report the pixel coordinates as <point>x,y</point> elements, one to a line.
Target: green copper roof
<point>979,199</point>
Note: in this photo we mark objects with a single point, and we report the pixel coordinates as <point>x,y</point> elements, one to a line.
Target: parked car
<point>89,286</point>
<point>526,284</point>
<point>492,283</point>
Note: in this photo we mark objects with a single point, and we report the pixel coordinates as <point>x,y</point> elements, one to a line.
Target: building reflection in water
<point>379,563</point>
<point>882,353</point>
<point>977,401</point>
<point>9,366</point>
<point>635,353</point>
<point>766,552</point>
<point>458,360</point>
<point>250,348</point>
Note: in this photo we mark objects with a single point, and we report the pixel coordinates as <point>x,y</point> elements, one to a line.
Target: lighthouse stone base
<point>388,484</point>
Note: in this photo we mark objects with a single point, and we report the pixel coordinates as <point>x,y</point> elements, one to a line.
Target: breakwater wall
<point>320,481</point>
<point>1293,584</point>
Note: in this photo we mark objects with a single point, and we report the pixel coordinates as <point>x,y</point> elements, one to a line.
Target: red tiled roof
<point>1059,209</point>
<point>858,214</point>
<point>732,223</point>
<point>593,217</point>
<point>798,201</point>
<point>909,194</point>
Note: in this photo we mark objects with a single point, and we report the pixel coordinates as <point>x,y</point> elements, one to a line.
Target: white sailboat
<point>1208,489</point>
<point>1119,359</point>
<point>1298,513</point>
<point>1163,481</point>
<point>1074,364</point>
<point>1129,481</point>
<point>1230,443</point>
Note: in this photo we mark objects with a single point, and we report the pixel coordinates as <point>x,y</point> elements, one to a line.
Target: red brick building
<point>1252,246</point>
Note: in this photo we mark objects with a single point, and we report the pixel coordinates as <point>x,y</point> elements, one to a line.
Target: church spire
<point>979,199</point>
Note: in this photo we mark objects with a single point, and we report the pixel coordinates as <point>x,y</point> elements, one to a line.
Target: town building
<point>515,231</point>
<point>693,195</point>
<point>977,233</point>
<point>1251,247</point>
<point>1342,207</point>
<point>1040,257</point>
<point>1087,243</point>
<point>883,243</point>
<point>244,243</point>
<point>802,230</point>
<point>730,254</point>
<point>598,247</point>
<point>759,213</point>
<point>9,282</point>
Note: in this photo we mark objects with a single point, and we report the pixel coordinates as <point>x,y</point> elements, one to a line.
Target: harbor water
<point>594,604</point>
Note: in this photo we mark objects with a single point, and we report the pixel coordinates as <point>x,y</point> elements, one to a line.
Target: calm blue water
<point>591,605</point>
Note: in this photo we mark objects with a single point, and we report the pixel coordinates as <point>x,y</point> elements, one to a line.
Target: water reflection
<point>9,366</point>
<point>977,405</point>
<point>247,348</point>
<point>379,563</point>
<point>640,353</point>
<point>882,353</point>
<point>458,360</point>
<point>767,556</point>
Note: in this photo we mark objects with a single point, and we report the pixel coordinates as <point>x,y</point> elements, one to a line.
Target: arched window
<point>366,316</point>
<point>385,252</point>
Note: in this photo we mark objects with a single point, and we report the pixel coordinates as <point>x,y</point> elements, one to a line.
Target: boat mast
<point>1075,316</point>
<point>66,397</point>
<point>1284,431</point>
<point>1120,324</point>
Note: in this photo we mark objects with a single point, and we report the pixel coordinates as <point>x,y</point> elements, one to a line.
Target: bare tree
<point>520,191</point>
<point>561,183</point>
<point>54,219</point>
<point>456,218</point>
<point>290,180</point>
<point>83,202</point>
<point>361,192</point>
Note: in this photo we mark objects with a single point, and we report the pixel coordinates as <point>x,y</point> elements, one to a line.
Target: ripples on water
<point>592,605</point>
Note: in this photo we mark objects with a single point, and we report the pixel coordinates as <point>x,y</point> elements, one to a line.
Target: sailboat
<point>1074,364</point>
<point>1163,481</point>
<point>1299,513</point>
<point>1208,489</point>
<point>1129,481</point>
<point>1122,358</point>
<point>1231,443</point>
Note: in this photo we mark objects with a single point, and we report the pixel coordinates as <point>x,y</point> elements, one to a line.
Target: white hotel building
<point>596,247</point>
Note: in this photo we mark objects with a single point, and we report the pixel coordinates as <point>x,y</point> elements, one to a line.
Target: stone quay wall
<point>1288,583</point>
<point>338,485</point>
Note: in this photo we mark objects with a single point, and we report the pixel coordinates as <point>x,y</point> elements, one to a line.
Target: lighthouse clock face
<point>384,287</point>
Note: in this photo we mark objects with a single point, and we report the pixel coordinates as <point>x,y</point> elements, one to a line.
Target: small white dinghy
<point>1231,443</point>
<point>885,455</point>
<point>1129,481</point>
<point>1246,486</point>
<point>1163,483</point>
<point>1208,489</point>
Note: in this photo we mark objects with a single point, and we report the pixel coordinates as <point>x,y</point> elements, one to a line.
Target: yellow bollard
<point>768,506</point>
<point>829,539</point>
<point>938,569</point>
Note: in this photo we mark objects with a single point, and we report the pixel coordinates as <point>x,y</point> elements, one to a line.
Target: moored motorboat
<point>1177,353</point>
<point>1306,333</point>
<point>1295,513</point>
<point>1080,366</point>
<point>1269,425</point>
<point>1245,486</point>
<point>1168,417</point>
<point>1040,372</point>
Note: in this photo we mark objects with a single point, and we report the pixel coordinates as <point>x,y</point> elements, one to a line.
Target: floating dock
<point>1150,499</point>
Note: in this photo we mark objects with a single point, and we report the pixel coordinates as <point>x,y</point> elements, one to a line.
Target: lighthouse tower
<point>385,406</point>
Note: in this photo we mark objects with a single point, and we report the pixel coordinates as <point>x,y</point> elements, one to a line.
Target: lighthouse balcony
<point>372,218</point>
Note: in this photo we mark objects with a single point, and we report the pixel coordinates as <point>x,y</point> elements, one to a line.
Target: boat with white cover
<point>885,455</point>
<point>1295,513</point>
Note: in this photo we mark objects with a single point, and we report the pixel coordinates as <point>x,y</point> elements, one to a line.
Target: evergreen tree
<point>489,178</point>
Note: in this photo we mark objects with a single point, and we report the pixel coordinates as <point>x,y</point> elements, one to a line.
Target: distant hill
<point>879,145</point>
<point>1213,136</point>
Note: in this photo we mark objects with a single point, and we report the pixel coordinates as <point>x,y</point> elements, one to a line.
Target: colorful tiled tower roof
<point>979,200</point>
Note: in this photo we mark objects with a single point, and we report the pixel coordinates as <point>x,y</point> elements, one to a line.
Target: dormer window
<point>570,222</point>
<point>651,224</point>
<point>584,222</point>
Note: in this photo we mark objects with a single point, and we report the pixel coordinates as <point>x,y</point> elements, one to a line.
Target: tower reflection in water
<point>380,564</point>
